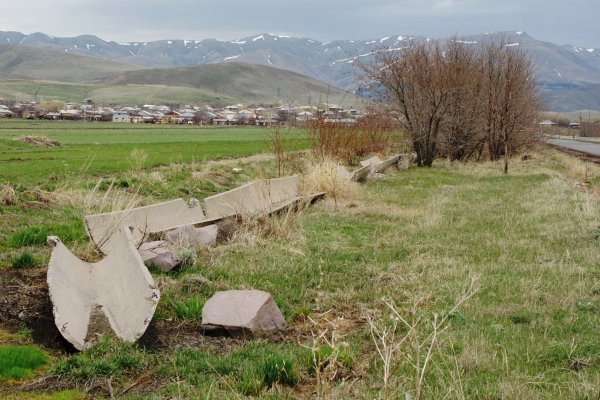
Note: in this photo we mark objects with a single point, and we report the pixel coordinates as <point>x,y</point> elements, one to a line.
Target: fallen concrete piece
<point>263,196</point>
<point>144,220</point>
<point>116,295</point>
<point>158,254</point>
<point>191,236</point>
<point>378,165</point>
<point>243,312</point>
<point>361,174</point>
<point>385,164</point>
<point>372,163</point>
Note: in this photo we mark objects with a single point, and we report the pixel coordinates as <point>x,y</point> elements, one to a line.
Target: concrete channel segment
<point>361,174</point>
<point>143,220</point>
<point>116,295</point>
<point>378,165</point>
<point>255,198</point>
<point>385,164</point>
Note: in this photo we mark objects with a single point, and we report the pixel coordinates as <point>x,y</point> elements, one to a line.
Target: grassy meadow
<point>450,282</point>
<point>104,148</point>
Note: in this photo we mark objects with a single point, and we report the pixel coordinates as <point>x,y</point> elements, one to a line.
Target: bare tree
<point>414,82</point>
<point>463,136</point>
<point>460,100</point>
<point>510,99</point>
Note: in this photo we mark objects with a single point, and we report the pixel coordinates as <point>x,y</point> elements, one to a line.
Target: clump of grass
<point>36,235</point>
<point>20,362</point>
<point>278,369</point>
<point>249,370</point>
<point>108,358</point>
<point>105,196</point>
<point>8,196</point>
<point>576,169</point>
<point>138,158</point>
<point>188,309</point>
<point>285,225</point>
<point>330,177</point>
<point>24,260</point>
<point>186,258</point>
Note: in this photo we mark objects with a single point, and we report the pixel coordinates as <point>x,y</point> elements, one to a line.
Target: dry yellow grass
<point>331,177</point>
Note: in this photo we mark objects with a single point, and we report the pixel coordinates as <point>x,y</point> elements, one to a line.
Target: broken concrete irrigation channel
<point>118,295</point>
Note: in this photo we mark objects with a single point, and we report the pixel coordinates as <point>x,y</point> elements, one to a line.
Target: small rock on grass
<point>158,254</point>
<point>227,229</point>
<point>189,235</point>
<point>243,313</point>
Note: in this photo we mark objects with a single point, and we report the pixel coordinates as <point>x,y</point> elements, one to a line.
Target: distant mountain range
<point>568,75</point>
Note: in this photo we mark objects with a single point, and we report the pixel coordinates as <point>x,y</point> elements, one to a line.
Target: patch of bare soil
<point>25,303</point>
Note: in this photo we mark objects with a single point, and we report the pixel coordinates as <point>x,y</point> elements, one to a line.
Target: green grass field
<point>368,282</point>
<point>104,148</point>
<point>19,362</point>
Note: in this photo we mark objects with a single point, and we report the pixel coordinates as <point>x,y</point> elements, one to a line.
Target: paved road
<point>586,147</point>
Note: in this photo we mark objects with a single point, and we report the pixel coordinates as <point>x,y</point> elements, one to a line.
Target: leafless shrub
<point>348,142</point>
<point>589,129</point>
<point>326,347</point>
<point>411,341</point>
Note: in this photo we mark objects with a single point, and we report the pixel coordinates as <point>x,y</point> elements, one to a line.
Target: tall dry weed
<point>285,225</point>
<point>331,177</point>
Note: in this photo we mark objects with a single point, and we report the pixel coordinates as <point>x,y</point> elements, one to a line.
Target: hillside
<point>27,90</point>
<point>573,98</point>
<point>22,62</point>
<point>565,73</point>
<point>247,82</point>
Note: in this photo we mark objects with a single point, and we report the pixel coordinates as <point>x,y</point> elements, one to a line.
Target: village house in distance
<point>237,114</point>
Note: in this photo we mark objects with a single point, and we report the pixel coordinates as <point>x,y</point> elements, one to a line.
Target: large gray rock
<point>158,254</point>
<point>191,236</point>
<point>243,313</point>
<point>227,229</point>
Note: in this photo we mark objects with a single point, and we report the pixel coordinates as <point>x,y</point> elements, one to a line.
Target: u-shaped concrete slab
<point>116,295</point>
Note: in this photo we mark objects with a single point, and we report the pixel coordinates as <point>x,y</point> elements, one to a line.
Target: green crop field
<point>103,148</point>
<point>449,282</point>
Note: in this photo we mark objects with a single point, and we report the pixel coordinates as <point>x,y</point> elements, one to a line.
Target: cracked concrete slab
<point>372,163</point>
<point>263,196</point>
<point>385,164</point>
<point>144,220</point>
<point>378,165</point>
<point>116,295</point>
<point>361,174</point>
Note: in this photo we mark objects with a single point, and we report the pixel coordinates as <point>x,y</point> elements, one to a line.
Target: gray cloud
<point>573,22</point>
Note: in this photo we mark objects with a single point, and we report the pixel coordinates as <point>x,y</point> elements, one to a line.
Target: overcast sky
<point>575,22</point>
